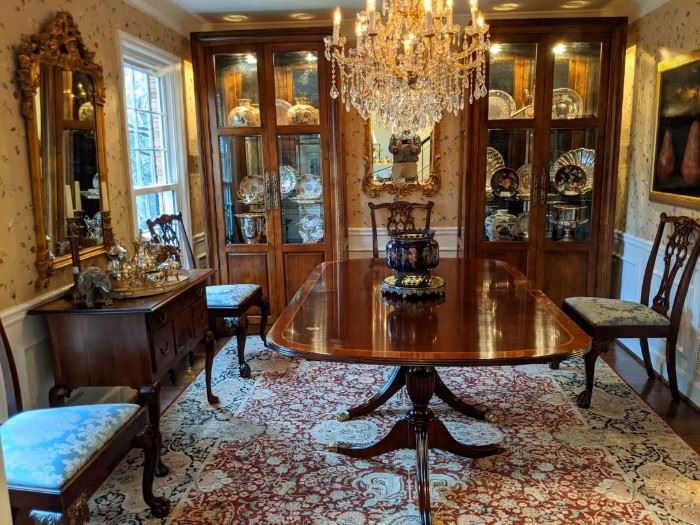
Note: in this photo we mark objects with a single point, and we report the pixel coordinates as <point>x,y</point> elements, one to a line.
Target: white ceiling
<point>268,10</point>
<point>202,15</point>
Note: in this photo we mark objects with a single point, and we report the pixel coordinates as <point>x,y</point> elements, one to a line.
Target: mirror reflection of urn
<point>252,227</point>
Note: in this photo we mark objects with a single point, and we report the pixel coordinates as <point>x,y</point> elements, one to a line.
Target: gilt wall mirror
<point>400,162</point>
<point>62,91</point>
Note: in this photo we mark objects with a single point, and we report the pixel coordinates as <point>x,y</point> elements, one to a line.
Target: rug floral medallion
<point>260,456</point>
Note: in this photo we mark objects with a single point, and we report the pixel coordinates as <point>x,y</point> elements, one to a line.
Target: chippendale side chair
<point>608,319</point>
<point>55,458</point>
<point>400,218</point>
<point>228,301</point>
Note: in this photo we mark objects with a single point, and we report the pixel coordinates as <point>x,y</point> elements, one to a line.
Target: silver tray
<point>173,283</point>
<point>501,104</point>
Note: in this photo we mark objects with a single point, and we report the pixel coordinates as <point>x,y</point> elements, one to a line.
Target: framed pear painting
<point>677,151</point>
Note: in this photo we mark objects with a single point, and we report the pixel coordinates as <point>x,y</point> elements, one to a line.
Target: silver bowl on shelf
<point>252,227</point>
<point>568,217</point>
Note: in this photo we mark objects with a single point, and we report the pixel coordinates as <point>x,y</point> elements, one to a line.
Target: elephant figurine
<point>93,287</point>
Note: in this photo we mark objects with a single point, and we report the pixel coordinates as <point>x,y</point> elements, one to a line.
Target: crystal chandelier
<point>411,62</point>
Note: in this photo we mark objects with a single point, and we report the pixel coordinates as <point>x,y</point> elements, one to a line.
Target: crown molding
<point>171,15</point>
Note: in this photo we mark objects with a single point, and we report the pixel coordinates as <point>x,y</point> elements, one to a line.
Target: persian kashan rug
<point>260,456</point>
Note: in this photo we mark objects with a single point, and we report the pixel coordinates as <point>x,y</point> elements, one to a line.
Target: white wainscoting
<point>633,253</point>
<point>360,242</point>
<point>29,339</point>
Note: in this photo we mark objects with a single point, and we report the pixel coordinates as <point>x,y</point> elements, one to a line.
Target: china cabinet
<point>542,153</point>
<point>267,137</point>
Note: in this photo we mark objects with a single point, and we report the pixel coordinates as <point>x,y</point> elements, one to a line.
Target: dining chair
<point>230,302</point>
<point>400,218</point>
<point>608,319</point>
<point>56,458</point>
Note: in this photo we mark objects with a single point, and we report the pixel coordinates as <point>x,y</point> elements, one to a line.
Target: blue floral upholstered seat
<point>230,295</point>
<point>45,448</point>
<point>614,312</point>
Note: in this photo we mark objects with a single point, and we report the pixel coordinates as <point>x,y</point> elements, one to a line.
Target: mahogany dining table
<point>490,315</point>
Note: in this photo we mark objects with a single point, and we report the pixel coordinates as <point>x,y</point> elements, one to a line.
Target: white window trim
<point>169,68</point>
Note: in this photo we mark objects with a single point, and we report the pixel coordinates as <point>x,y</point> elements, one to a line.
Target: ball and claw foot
<point>583,400</point>
<point>212,399</point>
<point>244,370</point>
<point>333,446</point>
<point>490,417</point>
<point>160,507</point>
<point>343,416</point>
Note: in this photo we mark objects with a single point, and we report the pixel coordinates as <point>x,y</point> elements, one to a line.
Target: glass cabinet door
<point>507,184</point>
<point>243,188</point>
<point>570,184</point>
<point>296,88</point>
<point>300,188</point>
<point>576,79</point>
<point>512,69</point>
<point>237,93</point>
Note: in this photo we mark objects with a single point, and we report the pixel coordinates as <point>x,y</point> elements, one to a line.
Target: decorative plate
<point>311,229</point>
<point>570,180</point>
<point>501,104</point>
<point>494,161</point>
<point>282,107</point>
<point>288,180</point>
<point>566,104</point>
<point>583,158</point>
<point>251,189</point>
<point>310,187</point>
<point>525,174</point>
<point>505,182</point>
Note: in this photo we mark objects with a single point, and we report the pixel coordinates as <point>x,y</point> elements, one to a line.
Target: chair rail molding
<point>360,241</point>
<point>633,252</point>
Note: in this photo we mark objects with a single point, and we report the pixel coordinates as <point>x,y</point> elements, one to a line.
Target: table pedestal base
<point>396,381</point>
<point>419,430</point>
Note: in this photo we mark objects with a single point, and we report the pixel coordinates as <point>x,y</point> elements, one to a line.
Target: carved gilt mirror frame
<point>57,51</point>
<point>373,188</point>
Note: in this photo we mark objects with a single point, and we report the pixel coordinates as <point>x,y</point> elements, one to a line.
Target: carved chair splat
<point>400,218</point>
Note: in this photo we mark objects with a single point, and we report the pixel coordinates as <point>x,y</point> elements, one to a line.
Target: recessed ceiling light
<point>251,59</point>
<point>510,6</point>
<point>235,18</point>
<point>495,49</point>
<point>575,4</point>
<point>302,16</point>
<point>311,57</point>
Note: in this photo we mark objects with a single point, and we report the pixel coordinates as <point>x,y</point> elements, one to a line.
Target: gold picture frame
<point>676,170</point>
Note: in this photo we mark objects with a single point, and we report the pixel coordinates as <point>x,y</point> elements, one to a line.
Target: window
<point>154,128</point>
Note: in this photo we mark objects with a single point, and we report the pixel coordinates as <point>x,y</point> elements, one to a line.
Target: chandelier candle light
<point>410,63</point>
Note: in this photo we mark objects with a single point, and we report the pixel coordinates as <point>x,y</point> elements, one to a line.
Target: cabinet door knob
<point>164,349</point>
<point>163,317</point>
<point>200,292</point>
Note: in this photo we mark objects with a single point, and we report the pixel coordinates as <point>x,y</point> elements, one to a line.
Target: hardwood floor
<point>682,417</point>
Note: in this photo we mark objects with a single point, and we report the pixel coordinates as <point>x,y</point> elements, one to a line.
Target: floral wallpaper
<point>446,200</point>
<point>98,22</point>
<point>662,34</point>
